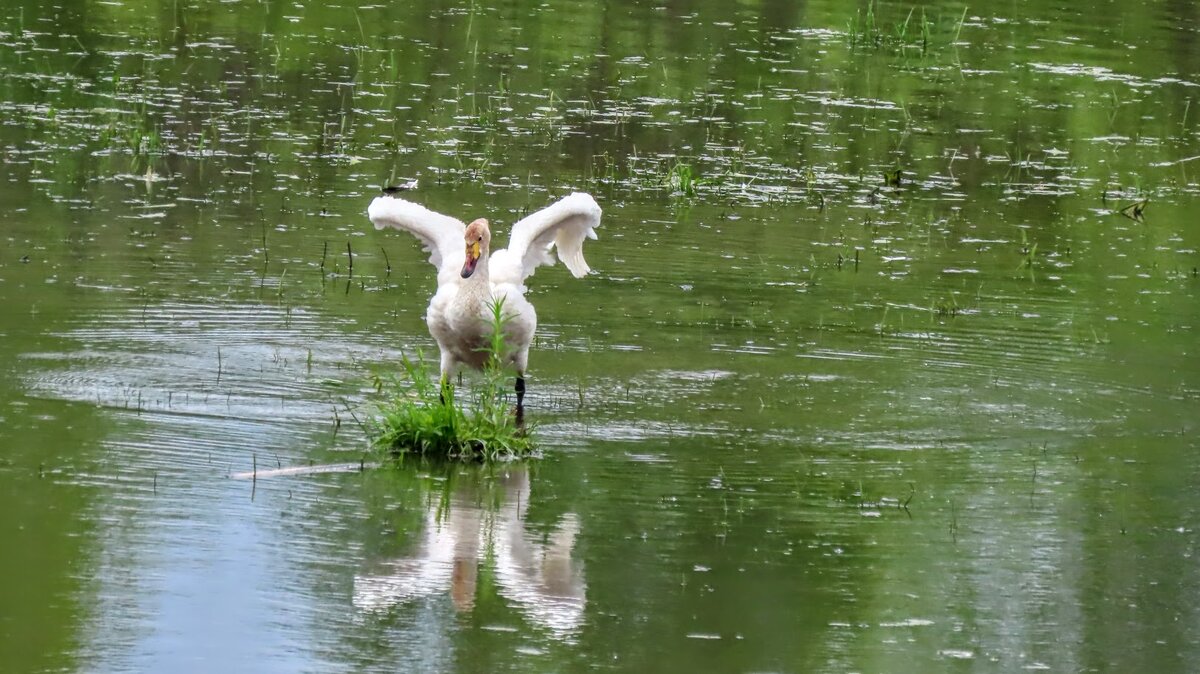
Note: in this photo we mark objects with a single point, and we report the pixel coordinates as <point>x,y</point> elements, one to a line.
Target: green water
<point>798,419</point>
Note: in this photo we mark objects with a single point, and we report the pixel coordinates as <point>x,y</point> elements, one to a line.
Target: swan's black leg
<point>444,391</point>
<point>520,400</point>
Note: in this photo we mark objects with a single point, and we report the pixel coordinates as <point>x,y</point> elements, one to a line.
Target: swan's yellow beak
<point>472,259</point>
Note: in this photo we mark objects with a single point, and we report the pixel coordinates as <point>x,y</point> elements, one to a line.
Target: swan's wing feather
<point>441,235</point>
<point>562,225</point>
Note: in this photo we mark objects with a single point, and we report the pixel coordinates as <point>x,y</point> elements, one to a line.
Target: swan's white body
<point>459,315</point>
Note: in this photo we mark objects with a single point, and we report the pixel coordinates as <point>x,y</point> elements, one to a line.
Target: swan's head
<point>478,237</point>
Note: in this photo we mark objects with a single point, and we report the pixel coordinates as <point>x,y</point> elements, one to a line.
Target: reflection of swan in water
<point>537,574</point>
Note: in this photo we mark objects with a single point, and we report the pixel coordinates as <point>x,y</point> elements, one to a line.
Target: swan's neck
<point>475,292</point>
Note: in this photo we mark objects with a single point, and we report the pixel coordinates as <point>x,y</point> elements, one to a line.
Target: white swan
<point>469,279</point>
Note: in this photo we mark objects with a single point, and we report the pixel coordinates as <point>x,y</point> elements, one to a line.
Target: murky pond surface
<point>807,414</point>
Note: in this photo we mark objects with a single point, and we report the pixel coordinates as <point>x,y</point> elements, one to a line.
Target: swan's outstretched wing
<point>562,225</point>
<point>442,235</point>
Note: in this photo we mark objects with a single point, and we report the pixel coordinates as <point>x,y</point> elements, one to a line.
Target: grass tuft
<point>423,416</point>
<point>682,180</point>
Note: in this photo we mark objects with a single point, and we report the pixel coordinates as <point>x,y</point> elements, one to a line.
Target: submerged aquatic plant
<point>682,180</point>
<point>424,416</point>
<point>865,30</point>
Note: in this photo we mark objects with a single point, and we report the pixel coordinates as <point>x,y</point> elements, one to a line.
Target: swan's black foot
<point>520,411</point>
